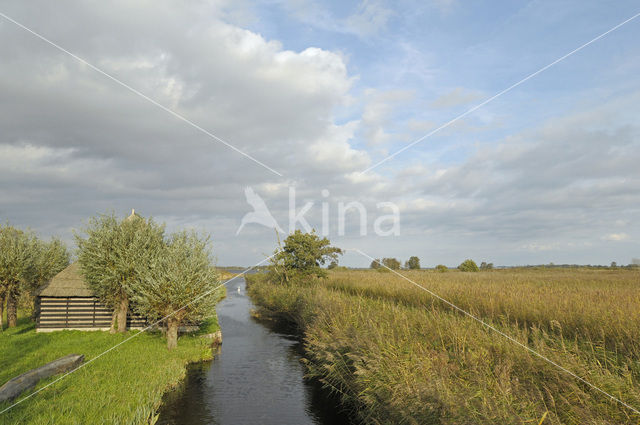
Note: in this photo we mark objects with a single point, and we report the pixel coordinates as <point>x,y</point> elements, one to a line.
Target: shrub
<point>441,268</point>
<point>468,266</point>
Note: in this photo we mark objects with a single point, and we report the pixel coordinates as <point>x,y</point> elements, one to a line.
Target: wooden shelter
<point>67,302</point>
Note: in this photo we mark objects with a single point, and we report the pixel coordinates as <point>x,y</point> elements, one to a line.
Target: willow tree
<point>25,264</point>
<point>17,264</point>
<point>182,284</point>
<point>113,257</point>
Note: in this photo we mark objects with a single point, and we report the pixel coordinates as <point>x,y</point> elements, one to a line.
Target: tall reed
<point>399,356</point>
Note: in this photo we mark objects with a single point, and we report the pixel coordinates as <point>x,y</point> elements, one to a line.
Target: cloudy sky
<point>319,92</point>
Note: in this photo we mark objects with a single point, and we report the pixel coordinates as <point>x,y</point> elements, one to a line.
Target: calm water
<point>257,377</point>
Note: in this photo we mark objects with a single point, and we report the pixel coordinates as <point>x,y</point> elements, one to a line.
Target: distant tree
<point>413,263</point>
<point>486,266</point>
<point>114,256</point>
<point>441,268</point>
<point>332,265</point>
<point>375,264</point>
<point>301,256</point>
<point>391,263</point>
<point>614,265</point>
<point>468,266</point>
<point>179,284</point>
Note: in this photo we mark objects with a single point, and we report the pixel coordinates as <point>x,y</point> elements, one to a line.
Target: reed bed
<point>397,355</point>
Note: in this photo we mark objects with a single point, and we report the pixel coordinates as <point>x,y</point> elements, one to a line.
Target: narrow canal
<point>256,378</point>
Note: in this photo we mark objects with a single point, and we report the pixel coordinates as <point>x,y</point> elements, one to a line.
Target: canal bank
<point>256,377</point>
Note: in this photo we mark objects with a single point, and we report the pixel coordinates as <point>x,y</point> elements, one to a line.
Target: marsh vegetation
<point>396,354</point>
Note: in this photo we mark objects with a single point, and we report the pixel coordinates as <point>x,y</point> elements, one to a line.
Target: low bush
<point>468,266</point>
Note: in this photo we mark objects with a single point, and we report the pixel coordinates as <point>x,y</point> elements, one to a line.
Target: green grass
<point>398,356</point>
<point>125,386</point>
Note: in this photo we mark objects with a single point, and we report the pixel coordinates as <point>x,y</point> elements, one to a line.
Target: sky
<point>181,109</point>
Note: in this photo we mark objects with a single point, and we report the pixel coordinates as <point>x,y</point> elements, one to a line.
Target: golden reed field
<point>396,354</point>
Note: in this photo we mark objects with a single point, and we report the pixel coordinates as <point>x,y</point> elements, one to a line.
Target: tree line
<point>131,265</point>
<point>413,263</point>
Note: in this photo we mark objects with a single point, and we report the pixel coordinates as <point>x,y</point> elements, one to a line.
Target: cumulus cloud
<point>74,143</point>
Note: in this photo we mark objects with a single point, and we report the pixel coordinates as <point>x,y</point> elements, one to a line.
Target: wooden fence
<point>78,313</point>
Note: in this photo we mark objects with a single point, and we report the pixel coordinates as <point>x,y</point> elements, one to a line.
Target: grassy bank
<point>400,356</point>
<point>125,386</point>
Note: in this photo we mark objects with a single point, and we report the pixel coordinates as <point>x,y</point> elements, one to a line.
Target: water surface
<point>257,377</point>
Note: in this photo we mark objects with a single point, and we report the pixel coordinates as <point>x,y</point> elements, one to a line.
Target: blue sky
<point>321,91</point>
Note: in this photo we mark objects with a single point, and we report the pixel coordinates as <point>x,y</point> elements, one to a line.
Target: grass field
<point>398,355</point>
<point>125,386</point>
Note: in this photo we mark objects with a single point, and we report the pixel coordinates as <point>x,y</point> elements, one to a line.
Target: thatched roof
<point>133,215</point>
<point>67,283</point>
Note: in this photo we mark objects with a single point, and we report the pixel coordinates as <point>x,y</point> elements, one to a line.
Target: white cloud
<point>616,237</point>
<point>537,247</point>
<point>378,114</point>
<point>74,143</point>
<point>333,151</point>
<point>371,18</point>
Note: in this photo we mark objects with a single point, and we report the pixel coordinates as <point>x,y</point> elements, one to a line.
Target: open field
<point>125,386</point>
<point>400,356</point>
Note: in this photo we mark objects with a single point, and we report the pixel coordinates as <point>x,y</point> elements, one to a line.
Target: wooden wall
<point>78,313</point>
